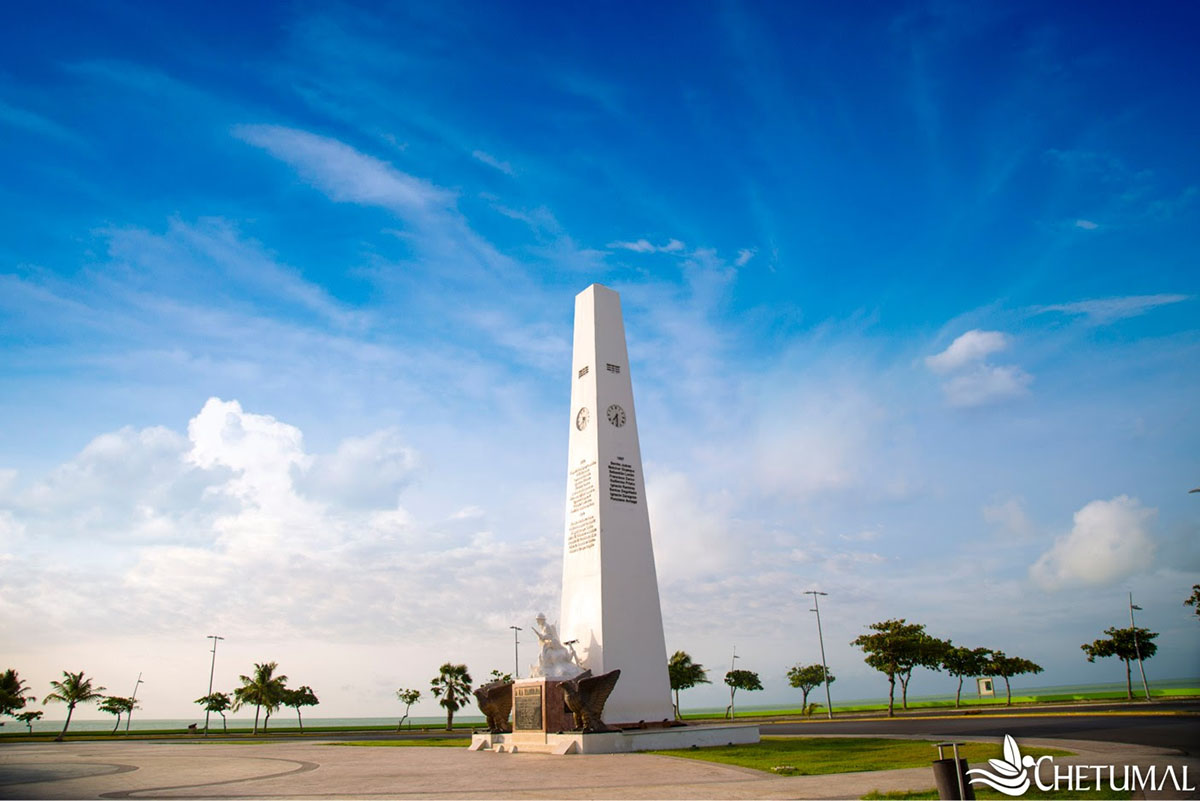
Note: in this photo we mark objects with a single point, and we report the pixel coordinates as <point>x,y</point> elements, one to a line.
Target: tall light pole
<point>516,652</point>
<point>211,671</point>
<point>1137,649</point>
<point>132,698</point>
<point>732,689</point>
<point>821,639</point>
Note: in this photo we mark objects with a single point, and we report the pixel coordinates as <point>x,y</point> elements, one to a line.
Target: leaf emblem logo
<point>1009,775</point>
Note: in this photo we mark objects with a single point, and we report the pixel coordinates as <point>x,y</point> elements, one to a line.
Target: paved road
<point>1178,731</point>
<point>1164,731</point>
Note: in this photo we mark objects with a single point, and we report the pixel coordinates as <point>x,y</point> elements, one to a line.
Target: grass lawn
<point>811,756</point>
<point>430,742</point>
<point>984,793</point>
<point>972,703</point>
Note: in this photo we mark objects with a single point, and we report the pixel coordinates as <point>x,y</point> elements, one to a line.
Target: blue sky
<point>285,319</point>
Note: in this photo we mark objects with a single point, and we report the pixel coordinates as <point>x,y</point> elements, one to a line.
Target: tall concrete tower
<point>610,589</point>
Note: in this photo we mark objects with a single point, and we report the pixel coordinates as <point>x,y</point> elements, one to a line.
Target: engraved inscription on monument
<point>621,484</point>
<point>582,534</point>
<point>582,529</point>
<point>583,488</point>
<point>527,708</point>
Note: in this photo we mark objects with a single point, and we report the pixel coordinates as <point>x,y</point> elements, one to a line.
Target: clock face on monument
<point>581,419</point>
<point>616,415</point>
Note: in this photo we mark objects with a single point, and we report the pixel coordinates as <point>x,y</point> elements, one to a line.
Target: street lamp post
<point>1137,649</point>
<point>821,639</point>
<point>516,652</point>
<point>732,689</point>
<point>212,669</point>
<point>129,716</point>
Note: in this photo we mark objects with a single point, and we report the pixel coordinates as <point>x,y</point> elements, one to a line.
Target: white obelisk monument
<point>610,589</point>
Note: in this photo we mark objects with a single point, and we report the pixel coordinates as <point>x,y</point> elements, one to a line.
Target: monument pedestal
<point>538,709</point>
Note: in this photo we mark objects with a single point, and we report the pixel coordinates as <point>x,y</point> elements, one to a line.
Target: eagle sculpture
<point>585,696</point>
<point>495,701</point>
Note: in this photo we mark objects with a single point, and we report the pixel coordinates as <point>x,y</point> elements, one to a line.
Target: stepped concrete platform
<point>617,742</point>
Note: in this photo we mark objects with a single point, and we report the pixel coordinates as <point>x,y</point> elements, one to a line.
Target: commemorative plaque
<point>527,708</point>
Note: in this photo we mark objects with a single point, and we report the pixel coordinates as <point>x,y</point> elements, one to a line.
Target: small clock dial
<point>581,419</point>
<point>616,415</point>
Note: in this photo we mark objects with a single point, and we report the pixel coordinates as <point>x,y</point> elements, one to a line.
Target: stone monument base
<point>616,742</point>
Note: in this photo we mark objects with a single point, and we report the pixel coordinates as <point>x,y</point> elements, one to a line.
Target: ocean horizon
<point>287,719</point>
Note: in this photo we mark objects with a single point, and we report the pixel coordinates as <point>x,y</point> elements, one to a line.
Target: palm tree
<point>684,674</point>
<point>453,686</point>
<point>12,692</point>
<point>73,689</point>
<point>263,689</point>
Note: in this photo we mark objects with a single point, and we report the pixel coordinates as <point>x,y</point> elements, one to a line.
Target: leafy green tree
<point>502,677</point>
<point>29,717</point>
<point>217,702</point>
<point>741,680</point>
<point>116,705</point>
<point>263,689</point>
<point>73,690</point>
<point>964,663</point>
<point>894,650</point>
<point>924,651</point>
<point>13,692</point>
<point>805,678</point>
<point>1125,644</point>
<point>685,674</point>
<point>408,698</point>
<point>452,686</point>
<point>301,696</point>
<point>1194,600</point>
<point>1006,667</point>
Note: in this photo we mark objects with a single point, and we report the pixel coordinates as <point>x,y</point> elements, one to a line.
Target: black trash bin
<point>948,783</point>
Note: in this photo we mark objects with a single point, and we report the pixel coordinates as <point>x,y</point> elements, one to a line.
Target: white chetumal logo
<point>1012,772</point>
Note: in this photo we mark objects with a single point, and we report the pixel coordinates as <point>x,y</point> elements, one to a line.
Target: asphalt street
<point>1180,730</point>
<point>1174,724</point>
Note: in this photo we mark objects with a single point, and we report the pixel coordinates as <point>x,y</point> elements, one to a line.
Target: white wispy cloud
<point>1110,541</point>
<point>644,246</point>
<point>23,118</point>
<point>1086,225</point>
<point>492,161</point>
<point>744,256</point>
<point>1107,310</point>
<point>344,173</point>
<point>985,384</point>
<point>1009,517</point>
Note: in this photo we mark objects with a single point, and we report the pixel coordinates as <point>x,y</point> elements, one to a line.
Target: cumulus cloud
<point>237,523</point>
<point>1110,541</point>
<point>366,472</point>
<point>260,450</point>
<point>972,381</point>
<point>969,348</point>
<point>1107,310</point>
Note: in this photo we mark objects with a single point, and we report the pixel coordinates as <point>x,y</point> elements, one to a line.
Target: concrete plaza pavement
<point>147,769</point>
